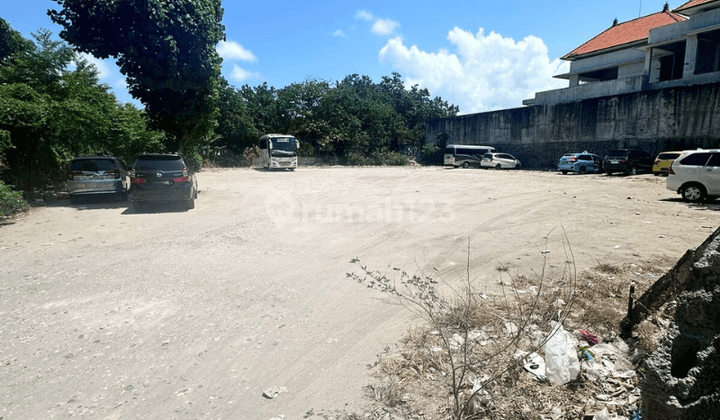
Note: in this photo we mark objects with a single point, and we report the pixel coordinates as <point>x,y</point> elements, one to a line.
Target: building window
<point>708,54</point>
<point>671,65</point>
<point>600,75</point>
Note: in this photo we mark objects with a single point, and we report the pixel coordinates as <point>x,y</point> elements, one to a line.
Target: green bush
<point>432,154</point>
<point>10,201</point>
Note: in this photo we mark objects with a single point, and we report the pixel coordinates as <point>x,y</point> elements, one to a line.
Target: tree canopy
<point>166,50</point>
<point>53,107</point>
<point>354,119</point>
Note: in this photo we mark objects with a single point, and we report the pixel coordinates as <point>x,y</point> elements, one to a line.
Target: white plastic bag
<point>561,360</point>
<point>602,415</point>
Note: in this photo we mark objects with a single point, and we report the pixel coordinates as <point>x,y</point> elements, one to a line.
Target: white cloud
<point>486,72</point>
<point>241,75</point>
<point>103,68</point>
<point>233,51</point>
<point>384,27</point>
<point>364,15</point>
<point>338,33</point>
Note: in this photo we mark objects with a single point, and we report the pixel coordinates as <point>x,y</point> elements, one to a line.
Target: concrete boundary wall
<point>675,118</point>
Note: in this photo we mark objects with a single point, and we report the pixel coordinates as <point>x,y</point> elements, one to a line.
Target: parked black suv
<point>91,175</point>
<point>629,161</point>
<point>158,178</point>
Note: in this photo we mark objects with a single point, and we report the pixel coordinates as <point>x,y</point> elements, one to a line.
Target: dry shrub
<point>608,268</point>
<point>461,364</point>
<point>390,394</point>
<point>470,345</point>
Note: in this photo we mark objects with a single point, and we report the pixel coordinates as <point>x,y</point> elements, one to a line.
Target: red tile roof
<point>692,3</point>
<point>625,33</point>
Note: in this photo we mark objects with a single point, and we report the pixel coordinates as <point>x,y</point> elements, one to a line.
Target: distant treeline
<point>53,107</point>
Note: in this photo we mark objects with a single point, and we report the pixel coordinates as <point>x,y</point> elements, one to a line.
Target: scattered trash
<point>617,247</point>
<point>456,341</point>
<point>602,415</point>
<point>478,335</point>
<point>274,391</point>
<point>589,337</point>
<point>511,329</point>
<point>557,413</point>
<point>535,364</point>
<point>611,360</point>
<point>561,362</point>
<point>585,354</point>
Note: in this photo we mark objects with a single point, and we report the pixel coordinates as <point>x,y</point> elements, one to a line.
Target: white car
<point>696,175</point>
<point>499,161</point>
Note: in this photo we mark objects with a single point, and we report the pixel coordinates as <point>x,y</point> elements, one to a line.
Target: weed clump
<point>471,348</point>
<point>466,359</point>
<point>11,202</point>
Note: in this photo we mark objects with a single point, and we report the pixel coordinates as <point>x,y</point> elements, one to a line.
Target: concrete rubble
<point>682,378</point>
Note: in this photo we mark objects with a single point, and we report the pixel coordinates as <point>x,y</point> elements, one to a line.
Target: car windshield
<point>163,163</point>
<point>286,144</point>
<point>93,165</point>
<point>668,156</point>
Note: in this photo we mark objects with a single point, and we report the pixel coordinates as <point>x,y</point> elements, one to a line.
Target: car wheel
<point>191,204</point>
<point>498,166</point>
<point>517,166</point>
<point>564,172</point>
<point>74,199</point>
<point>137,206</point>
<point>609,172</point>
<point>693,193</point>
<point>656,173</point>
<point>582,170</point>
<point>633,170</point>
<point>465,165</point>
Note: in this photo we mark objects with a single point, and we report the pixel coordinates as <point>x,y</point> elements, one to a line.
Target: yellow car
<point>663,162</point>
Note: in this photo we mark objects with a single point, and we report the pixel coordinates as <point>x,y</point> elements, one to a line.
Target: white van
<point>465,155</point>
<point>695,175</point>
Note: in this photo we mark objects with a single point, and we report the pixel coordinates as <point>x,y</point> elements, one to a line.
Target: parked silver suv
<point>90,175</point>
<point>696,175</point>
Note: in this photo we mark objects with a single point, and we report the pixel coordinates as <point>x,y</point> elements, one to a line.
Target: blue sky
<point>479,55</point>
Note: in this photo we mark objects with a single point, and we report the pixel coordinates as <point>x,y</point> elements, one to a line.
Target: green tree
<point>12,43</point>
<point>165,49</point>
<point>53,107</point>
<point>355,119</point>
<point>261,106</point>
<point>235,128</point>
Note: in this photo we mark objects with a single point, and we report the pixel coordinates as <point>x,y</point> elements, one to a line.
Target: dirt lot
<point>106,313</point>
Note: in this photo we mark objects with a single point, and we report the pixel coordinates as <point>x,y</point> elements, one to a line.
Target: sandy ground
<point>110,314</point>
